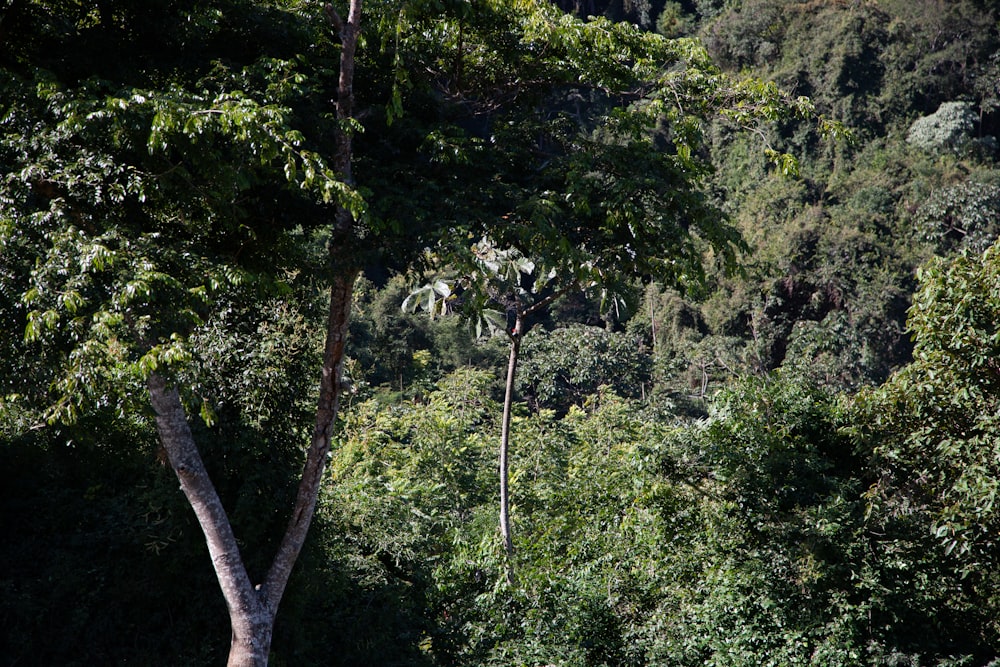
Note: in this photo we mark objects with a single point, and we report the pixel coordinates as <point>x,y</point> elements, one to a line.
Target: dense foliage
<point>781,451</point>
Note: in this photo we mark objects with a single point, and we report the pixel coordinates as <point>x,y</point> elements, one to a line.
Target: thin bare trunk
<point>331,389</point>
<point>508,401</point>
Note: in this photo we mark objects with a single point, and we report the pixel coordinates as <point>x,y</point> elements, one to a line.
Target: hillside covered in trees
<point>609,333</point>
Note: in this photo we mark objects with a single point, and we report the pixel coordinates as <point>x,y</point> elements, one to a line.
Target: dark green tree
<point>930,433</point>
<point>151,192</point>
<point>565,366</point>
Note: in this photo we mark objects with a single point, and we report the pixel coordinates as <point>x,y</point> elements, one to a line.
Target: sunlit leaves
<point>598,50</point>
<point>786,164</point>
<point>433,298</point>
<point>964,215</point>
<point>506,265</point>
<point>140,205</point>
<point>934,422</point>
<point>948,128</point>
<point>265,131</point>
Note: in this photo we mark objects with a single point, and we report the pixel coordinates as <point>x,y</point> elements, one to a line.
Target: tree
<point>589,175</point>
<point>933,423</point>
<point>930,433</point>
<point>564,366</point>
<point>147,201</point>
<point>498,281</point>
<point>948,128</point>
<point>963,215</point>
<point>253,607</point>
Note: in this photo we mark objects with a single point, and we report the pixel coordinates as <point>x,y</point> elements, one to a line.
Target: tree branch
<point>331,389</point>
<point>334,18</point>
<point>182,453</point>
<point>341,297</point>
<point>535,307</point>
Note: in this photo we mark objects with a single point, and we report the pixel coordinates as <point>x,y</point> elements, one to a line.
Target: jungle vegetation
<point>701,297</point>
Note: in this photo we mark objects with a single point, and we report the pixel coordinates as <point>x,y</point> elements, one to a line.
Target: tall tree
<point>253,607</point>
<point>580,148</point>
<point>149,199</point>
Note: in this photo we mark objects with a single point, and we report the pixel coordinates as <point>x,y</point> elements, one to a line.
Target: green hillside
<point>656,333</point>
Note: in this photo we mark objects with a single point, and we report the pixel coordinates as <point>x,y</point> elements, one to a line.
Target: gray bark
<point>250,615</point>
<point>508,400</point>
<point>252,608</point>
<point>331,388</point>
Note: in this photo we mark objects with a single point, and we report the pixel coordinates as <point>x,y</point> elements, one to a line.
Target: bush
<point>966,215</point>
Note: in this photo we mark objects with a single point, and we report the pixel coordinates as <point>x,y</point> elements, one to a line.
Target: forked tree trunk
<point>250,615</point>
<point>252,608</point>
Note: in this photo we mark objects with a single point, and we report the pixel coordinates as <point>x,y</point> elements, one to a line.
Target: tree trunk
<point>508,400</point>
<point>251,643</point>
<point>331,388</point>
<point>249,614</point>
<point>252,608</point>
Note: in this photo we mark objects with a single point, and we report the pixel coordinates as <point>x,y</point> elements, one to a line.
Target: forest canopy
<point>720,276</point>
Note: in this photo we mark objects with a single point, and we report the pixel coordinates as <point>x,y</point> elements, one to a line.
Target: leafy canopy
<point>137,201</point>
<point>575,145</point>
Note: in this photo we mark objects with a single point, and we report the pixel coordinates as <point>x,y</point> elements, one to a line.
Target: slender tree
<point>591,177</point>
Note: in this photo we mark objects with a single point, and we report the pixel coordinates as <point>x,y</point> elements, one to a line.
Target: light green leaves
<point>432,297</point>
<point>137,209</point>
<point>503,265</point>
<point>265,132</point>
<point>948,128</point>
<point>489,279</point>
<point>785,163</point>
